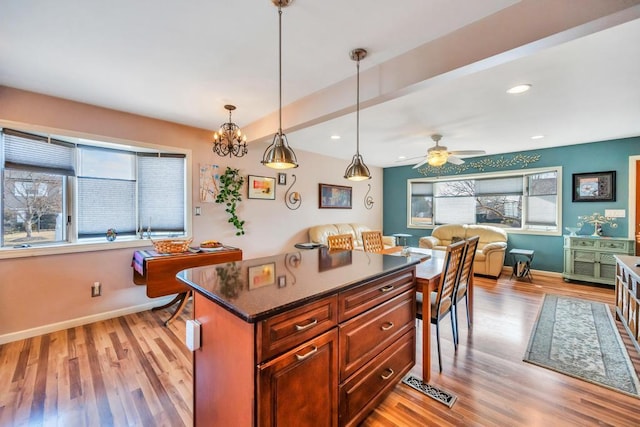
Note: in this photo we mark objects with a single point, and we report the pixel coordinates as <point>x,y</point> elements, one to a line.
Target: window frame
<point>73,244</point>
<point>524,174</point>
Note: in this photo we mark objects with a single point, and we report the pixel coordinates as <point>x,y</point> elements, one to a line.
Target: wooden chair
<point>466,274</point>
<point>340,241</point>
<point>442,299</point>
<point>372,241</point>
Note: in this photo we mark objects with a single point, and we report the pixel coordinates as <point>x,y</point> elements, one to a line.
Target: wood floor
<point>132,371</point>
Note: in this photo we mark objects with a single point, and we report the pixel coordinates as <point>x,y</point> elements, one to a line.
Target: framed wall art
<point>334,196</point>
<point>594,187</point>
<point>261,187</point>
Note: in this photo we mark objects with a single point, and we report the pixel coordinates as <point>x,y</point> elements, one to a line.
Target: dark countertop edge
<point>282,308</point>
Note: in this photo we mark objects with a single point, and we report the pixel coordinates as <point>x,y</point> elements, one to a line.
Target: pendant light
<point>357,170</point>
<point>279,155</point>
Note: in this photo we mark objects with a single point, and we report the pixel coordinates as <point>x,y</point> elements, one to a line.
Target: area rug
<point>433,392</point>
<point>579,338</point>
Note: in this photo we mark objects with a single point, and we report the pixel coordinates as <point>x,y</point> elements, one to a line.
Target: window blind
<point>35,153</point>
<point>161,205</point>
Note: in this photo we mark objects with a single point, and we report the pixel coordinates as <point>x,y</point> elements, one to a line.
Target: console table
<point>591,259</point>
<point>158,272</point>
<point>628,295</point>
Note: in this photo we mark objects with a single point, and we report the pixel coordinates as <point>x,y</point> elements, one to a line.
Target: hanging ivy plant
<point>230,194</point>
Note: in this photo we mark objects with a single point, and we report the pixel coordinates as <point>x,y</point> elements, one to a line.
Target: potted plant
<point>230,194</point>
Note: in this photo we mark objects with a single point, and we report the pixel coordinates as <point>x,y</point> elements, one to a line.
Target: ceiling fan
<point>438,154</point>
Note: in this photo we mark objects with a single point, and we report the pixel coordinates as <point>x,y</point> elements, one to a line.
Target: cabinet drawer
<point>363,337</point>
<point>613,245</point>
<point>367,387</point>
<point>282,332</point>
<point>583,243</point>
<point>360,299</point>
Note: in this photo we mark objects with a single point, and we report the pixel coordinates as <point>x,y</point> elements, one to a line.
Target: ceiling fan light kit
<point>279,155</point>
<point>438,155</point>
<point>357,170</point>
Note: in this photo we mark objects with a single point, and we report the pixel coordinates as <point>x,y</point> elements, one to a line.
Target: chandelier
<point>229,140</point>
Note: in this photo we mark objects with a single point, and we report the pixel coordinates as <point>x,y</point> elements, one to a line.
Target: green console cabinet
<point>591,259</point>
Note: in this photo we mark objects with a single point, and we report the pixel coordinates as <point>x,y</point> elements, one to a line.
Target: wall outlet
<point>96,289</point>
<point>198,211</point>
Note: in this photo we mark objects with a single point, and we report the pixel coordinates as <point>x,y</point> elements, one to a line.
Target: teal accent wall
<point>582,158</point>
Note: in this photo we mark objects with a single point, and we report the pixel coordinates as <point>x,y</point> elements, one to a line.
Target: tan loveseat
<point>319,233</point>
<point>491,246</point>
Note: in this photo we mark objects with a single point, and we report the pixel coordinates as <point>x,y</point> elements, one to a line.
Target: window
<point>57,191</point>
<point>522,201</point>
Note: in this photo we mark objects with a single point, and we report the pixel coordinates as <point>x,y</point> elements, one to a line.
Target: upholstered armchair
<point>491,250</point>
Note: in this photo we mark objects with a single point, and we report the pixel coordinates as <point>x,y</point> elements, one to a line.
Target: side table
<point>399,236</point>
<point>522,259</point>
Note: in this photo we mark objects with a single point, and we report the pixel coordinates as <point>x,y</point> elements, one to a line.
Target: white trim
<point>72,323</point>
<point>632,196</point>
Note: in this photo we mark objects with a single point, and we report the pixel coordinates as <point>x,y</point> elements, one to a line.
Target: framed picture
<point>594,186</point>
<point>282,178</point>
<point>261,187</point>
<point>334,196</point>
<point>262,275</point>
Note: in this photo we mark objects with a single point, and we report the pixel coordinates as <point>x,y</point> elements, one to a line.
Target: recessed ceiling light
<point>402,157</point>
<point>335,136</point>
<point>537,137</point>
<point>519,89</point>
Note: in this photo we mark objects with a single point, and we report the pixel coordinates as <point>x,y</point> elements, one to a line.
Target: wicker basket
<point>171,246</point>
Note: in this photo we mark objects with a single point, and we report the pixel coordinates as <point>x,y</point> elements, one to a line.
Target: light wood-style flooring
<point>133,371</point>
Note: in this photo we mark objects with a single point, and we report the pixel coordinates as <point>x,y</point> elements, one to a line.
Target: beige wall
<point>53,291</point>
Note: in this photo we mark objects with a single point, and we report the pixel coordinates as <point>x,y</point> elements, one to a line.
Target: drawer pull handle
<point>387,326</point>
<point>387,288</point>
<point>304,356</point>
<point>389,375</point>
<point>313,322</point>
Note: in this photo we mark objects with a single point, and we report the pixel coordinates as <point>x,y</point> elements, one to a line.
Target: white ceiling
<point>434,66</point>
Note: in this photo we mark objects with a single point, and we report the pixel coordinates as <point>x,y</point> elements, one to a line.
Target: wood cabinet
<point>327,362</point>
<point>628,295</point>
<point>591,259</point>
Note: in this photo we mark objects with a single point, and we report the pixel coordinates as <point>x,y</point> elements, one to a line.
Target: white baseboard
<point>72,323</point>
<point>507,270</point>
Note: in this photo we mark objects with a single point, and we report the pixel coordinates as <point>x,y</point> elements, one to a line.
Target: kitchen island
<point>314,338</point>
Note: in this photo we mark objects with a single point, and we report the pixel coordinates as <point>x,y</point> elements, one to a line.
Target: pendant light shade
<point>357,170</point>
<point>279,155</point>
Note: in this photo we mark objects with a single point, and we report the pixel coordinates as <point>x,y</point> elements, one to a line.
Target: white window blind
<point>161,205</point>
<point>38,154</point>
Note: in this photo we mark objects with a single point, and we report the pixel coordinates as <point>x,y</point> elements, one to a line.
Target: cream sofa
<point>491,246</point>
<point>319,233</point>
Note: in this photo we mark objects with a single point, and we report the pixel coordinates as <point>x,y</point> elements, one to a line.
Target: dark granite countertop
<point>255,289</point>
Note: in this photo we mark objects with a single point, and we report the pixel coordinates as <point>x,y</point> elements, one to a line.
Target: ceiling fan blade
<point>455,160</point>
<point>467,152</point>
<point>420,164</point>
<point>409,159</point>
